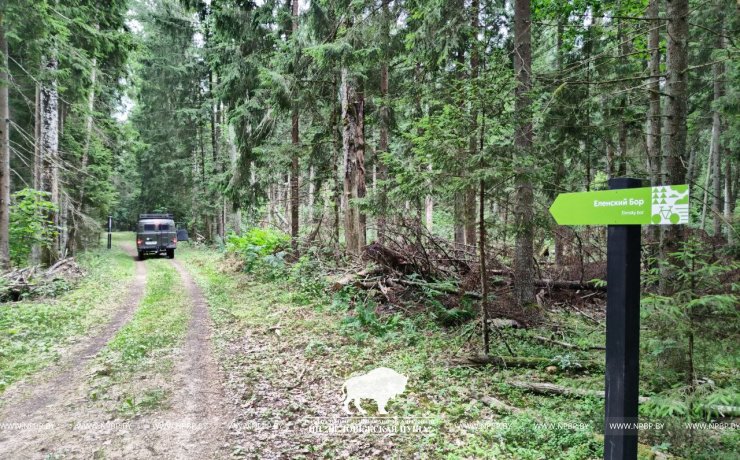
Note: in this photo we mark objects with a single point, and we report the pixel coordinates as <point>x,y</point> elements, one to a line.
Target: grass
<point>338,346</point>
<point>133,369</point>
<point>336,339</point>
<point>34,334</point>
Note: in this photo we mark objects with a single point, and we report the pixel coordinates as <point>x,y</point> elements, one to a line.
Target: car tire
<point>170,253</point>
<point>141,255</point>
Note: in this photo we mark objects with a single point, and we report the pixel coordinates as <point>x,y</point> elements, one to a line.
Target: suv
<point>157,233</point>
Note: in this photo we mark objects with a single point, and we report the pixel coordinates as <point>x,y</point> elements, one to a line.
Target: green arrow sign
<point>664,205</point>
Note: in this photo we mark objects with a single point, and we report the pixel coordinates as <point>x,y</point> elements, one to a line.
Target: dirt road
<point>52,416</point>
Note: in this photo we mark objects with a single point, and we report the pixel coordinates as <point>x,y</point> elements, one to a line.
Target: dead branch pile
<point>415,258</point>
<point>33,281</point>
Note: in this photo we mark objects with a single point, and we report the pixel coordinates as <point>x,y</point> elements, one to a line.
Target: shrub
<point>29,223</point>
<point>259,248</point>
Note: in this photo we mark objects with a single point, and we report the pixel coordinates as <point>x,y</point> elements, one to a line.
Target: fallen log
<point>497,404</point>
<point>383,255</point>
<point>566,344</point>
<point>445,289</point>
<point>550,389</point>
<point>524,362</point>
<point>573,285</point>
<point>351,278</point>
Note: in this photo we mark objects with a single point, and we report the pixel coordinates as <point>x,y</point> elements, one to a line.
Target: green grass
<point>416,346</point>
<point>134,367</point>
<point>159,323</point>
<point>338,340</point>
<point>34,333</point>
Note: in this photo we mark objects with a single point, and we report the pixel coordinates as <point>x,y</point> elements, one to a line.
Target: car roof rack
<point>156,216</point>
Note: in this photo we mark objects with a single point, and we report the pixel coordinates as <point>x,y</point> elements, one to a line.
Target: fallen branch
<point>524,362</point>
<point>436,287</point>
<point>549,389</point>
<point>352,278</point>
<point>494,403</point>
<point>566,344</point>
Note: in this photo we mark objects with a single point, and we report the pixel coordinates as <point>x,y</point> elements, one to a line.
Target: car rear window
<point>164,226</point>
<point>148,227</point>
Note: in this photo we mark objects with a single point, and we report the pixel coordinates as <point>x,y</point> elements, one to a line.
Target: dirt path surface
<point>43,400</point>
<point>63,422</point>
<point>203,423</point>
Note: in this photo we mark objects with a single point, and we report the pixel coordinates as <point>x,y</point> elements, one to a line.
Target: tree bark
<point>718,75</point>
<point>335,158</point>
<point>728,198</point>
<point>294,199</point>
<point>429,208</point>
<point>524,192</point>
<point>236,216</point>
<point>353,105</point>
<point>653,122</point>
<point>470,194</point>
<point>311,193</point>
<point>674,130</point>
<point>483,271</point>
<point>216,149</point>
<point>558,240</point>
<point>708,176</point>
<point>49,132</point>
<point>384,122</point>
<point>75,237</point>
<point>4,153</point>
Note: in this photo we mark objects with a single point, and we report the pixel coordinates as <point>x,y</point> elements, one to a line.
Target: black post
<point>110,229</point>
<point>622,335</point>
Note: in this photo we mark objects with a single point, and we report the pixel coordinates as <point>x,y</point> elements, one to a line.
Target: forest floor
<point>188,359</point>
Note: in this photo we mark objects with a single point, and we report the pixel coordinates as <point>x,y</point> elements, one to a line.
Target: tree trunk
<point>216,149</point>
<point>311,193</point>
<point>384,122</point>
<point>708,176</point>
<point>653,122</point>
<point>558,240</point>
<point>4,153</point>
<point>483,272</point>
<point>429,208</point>
<point>524,193</point>
<point>470,194</point>
<point>75,237</point>
<point>674,130</point>
<point>294,199</point>
<point>353,105</point>
<point>236,216</point>
<point>335,158</point>
<point>718,74</point>
<point>49,132</point>
<point>728,198</point>
<point>622,135</point>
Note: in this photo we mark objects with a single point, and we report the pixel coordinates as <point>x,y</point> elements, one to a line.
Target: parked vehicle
<point>156,234</point>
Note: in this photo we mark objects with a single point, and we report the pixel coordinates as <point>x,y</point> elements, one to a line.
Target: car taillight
<point>174,240</point>
<point>139,241</point>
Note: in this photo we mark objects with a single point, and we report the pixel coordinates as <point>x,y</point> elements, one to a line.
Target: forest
<point>388,166</point>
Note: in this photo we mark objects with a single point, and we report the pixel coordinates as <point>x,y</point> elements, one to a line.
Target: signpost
<point>110,229</point>
<point>623,208</point>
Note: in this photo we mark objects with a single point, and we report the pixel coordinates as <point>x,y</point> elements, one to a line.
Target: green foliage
<point>365,322</point>
<point>258,240</point>
<point>29,223</point>
<point>682,325</point>
<point>307,275</point>
<point>261,251</point>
